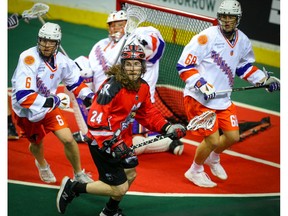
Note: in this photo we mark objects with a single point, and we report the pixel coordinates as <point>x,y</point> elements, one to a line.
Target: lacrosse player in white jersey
<point>209,63</point>
<point>39,72</point>
<point>104,54</point>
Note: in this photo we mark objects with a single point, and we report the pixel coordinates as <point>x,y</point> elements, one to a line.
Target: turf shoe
<point>45,174</point>
<point>200,179</point>
<point>216,168</point>
<point>108,212</point>
<point>83,177</point>
<point>65,194</point>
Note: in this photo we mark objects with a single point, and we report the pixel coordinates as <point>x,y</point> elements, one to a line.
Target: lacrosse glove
<point>206,88</point>
<point>176,131</point>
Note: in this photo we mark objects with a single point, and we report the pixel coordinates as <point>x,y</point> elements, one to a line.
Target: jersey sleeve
<point>194,52</point>
<point>246,70</point>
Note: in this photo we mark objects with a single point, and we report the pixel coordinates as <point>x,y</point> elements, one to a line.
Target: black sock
<point>112,204</point>
<point>79,187</point>
<point>10,119</point>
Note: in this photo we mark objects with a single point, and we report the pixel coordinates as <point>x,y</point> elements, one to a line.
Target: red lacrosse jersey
<point>114,107</point>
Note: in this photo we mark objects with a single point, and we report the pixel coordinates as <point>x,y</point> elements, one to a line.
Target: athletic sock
<point>112,204</point>
<point>215,157</point>
<point>79,187</point>
<point>196,168</point>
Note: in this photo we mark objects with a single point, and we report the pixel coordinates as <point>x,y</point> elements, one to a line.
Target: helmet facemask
<point>116,23</point>
<point>49,38</point>
<point>133,64</point>
<point>229,15</point>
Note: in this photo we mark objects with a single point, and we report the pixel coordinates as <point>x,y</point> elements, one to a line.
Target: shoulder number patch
<point>29,60</point>
<point>202,39</point>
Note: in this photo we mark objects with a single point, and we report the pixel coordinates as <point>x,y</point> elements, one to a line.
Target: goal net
<point>177,28</point>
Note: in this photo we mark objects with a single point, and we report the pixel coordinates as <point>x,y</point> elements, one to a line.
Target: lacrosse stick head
<point>206,121</point>
<point>135,16</point>
<point>38,10</point>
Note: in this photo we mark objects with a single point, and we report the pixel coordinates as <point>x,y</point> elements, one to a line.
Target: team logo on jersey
<point>29,60</point>
<point>231,53</point>
<point>51,76</point>
<point>202,39</point>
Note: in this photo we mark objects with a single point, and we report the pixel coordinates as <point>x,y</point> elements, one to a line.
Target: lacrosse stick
<point>135,16</point>
<point>38,9</point>
<point>206,121</point>
<point>241,89</point>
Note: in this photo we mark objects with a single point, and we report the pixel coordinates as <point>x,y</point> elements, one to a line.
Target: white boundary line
<point>135,193</point>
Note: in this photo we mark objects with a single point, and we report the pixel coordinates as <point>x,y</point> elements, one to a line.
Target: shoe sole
<point>218,176</point>
<point>206,186</point>
<point>63,183</point>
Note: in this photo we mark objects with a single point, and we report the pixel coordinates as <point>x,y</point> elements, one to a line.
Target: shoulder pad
<point>108,91</point>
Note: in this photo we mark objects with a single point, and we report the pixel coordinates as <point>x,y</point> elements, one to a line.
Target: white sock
<point>196,167</point>
<point>215,157</point>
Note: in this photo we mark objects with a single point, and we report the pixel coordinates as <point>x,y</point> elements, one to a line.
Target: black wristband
<point>165,127</point>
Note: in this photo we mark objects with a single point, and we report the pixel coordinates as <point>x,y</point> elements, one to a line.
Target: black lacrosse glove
<point>120,150</point>
<point>176,131</point>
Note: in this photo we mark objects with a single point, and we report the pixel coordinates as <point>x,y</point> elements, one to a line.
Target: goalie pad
<point>159,146</point>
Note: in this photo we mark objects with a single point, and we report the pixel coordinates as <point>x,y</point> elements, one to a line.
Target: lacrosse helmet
<point>134,51</point>
<point>117,16</point>
<point>49,32</point>
<point>230,7</point>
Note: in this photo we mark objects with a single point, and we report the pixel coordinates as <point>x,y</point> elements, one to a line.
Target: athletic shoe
<point>216,168</point>
<point>83,177</point>
<point>12,133</point>
<point>200,179</point>
<point>65,194</point>
<point>45,174</point>
<point>78,137</point>
<point>108,212</point>
<point>176,147</point>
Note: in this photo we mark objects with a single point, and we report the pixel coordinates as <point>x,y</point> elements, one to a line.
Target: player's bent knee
<point>120,190</point>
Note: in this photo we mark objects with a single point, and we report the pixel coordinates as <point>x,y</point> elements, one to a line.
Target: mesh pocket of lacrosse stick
<point>206,120</point>
<point>38,9</point>
<point>136,15</point>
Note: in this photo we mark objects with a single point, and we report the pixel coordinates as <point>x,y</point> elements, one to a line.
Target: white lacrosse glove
<point>64,101</point>
<point>176,131</point>
<point>206,88</point>
<point>272,81</point>
<point>13,21</point>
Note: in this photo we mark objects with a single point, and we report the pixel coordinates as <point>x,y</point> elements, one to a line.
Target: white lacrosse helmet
<point>230,7</point>
<point>117,16</point>
<point>50,31</point>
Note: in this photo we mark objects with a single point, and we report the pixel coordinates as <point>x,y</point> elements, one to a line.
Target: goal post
<point>177,28</point>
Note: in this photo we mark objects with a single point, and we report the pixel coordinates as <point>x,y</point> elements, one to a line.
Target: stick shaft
<point>241,89</point>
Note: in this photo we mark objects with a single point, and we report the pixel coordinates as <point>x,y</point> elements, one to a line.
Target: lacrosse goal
<point>177,28</point>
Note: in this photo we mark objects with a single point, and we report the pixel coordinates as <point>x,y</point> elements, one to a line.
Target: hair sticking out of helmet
<point>50,31</point>
<point>133,51</point>
<point>230,7</point>
<point>117,16</point>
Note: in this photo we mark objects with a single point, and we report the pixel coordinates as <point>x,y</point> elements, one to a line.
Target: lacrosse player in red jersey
<point>105,53</point>
<point>39,72</point>
<point>123,97</point>
<point>209,63</point>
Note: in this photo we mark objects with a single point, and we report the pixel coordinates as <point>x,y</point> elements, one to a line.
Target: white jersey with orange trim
<point>105,52</point>
<point>211,56</point>
<point>34,80</point>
